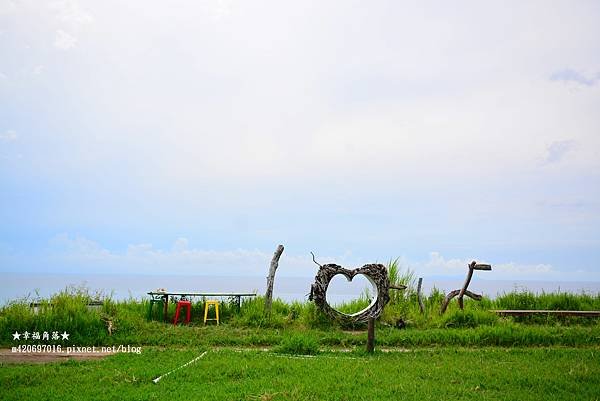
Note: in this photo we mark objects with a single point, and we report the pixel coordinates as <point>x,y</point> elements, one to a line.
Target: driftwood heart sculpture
<point>376,273</point>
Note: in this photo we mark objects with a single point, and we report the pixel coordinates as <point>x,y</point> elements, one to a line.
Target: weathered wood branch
<point>454,293</point>
<point>397,287</point>
<point>315,261</point>
<point>466,284</point>
<point>271,278</point>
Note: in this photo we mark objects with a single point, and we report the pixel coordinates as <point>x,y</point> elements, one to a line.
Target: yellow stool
<point>216,305</point>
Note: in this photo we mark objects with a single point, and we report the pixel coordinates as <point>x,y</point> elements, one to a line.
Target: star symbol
<point>16,336</point>
<point>65,335</point>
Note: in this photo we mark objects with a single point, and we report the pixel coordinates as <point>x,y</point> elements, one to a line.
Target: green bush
<point>298,344</point>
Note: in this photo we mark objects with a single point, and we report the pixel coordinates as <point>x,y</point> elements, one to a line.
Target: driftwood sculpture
<point>464,291</point>
<point>377,275</point>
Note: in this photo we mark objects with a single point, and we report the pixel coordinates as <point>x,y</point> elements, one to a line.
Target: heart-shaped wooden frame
<point>376,273</point>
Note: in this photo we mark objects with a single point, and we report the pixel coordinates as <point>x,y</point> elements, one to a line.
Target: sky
<point>193,137</point>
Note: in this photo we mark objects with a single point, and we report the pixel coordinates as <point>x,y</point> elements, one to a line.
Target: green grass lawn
<point>443,373</point>
<point>470,354</point>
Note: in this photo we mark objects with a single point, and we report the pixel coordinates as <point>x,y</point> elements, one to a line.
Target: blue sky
<point>193,137</point>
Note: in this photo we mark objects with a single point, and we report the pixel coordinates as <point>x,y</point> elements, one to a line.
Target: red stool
<point>188,315</point>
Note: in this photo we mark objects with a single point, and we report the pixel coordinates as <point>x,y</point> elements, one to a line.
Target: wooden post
<point>166,307</point>
<point>371,336</point>
<point>419,298</point>
<point>271,278</point>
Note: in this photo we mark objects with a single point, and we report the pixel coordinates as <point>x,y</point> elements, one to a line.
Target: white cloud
<point>7,7</point>
<point>222,9</point>
<point>9,136</point>
<point>558,149</point>
<point>181,259</point>
<point>437,265</point>
<point>517,271</point>
<point>79,252</point>
<point>324,99</point>
<point>572,76</point>
<point>180,245</point>
<point>80,248</point>
<point>39,69</point>
<point>70,11</point>
<point>64,41</point>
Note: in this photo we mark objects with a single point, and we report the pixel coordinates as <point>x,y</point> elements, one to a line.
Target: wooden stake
<point>371,336</point>
<point>419,298</point>
<point>271,278</point>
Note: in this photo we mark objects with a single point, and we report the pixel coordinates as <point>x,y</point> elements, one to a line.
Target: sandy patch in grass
<point>8,356</point>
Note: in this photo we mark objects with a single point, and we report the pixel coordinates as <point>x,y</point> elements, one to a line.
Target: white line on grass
<point>182,366</point>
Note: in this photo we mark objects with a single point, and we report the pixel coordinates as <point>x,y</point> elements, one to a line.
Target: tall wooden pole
<point>271,278</point>
<point>371,336</point>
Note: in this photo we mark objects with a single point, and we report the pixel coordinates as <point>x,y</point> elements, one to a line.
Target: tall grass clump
<point>252,314</point>
<point>467,318</point>
<point>66,311</point>
<point>298,344</point>
<point>313,318</point>
<point>550,301</point>
<point>355,305</point>
<point>401,301</point>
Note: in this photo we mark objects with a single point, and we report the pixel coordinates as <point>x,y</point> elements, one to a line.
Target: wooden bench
<point>527,312</point>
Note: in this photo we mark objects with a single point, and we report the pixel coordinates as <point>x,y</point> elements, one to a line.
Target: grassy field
<point>419,374</point>
<point>296,353</point>
<point>475,326</point>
